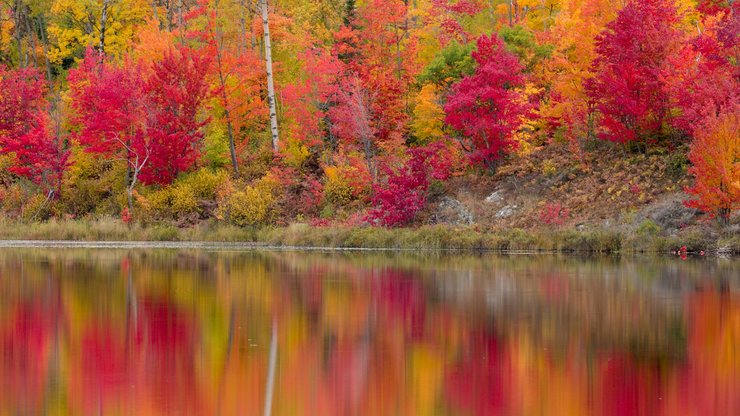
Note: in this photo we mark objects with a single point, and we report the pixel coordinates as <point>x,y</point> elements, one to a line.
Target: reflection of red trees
<point>167,341</point>
<point>148,365</point>
<point>24,357</point>
<point>479,383</point>
<point>402,299</point>
<point>346,377</point>
<point>104,374</point>
<point>628,388</point>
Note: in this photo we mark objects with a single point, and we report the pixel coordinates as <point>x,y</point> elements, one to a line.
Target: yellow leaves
<point>530,122</point>
<point>337,189</point>
<point>6,30</point>
<point>320,18</point>
<point>76,25</point>
<point>295,152</point>
<point>428,115</point>
<point>253,205</point>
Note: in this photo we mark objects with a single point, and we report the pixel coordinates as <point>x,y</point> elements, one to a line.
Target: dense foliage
<point>338,111</point>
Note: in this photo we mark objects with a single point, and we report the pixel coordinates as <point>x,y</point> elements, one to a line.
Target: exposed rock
<point>670,214</point>
<point>452,211</point>
<point>496,197</point>
<point>506,211</point>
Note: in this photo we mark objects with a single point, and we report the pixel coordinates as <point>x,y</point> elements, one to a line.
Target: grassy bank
<point>426,237</point>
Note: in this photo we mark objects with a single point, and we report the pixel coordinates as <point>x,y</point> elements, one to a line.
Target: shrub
<point>184,196</point>
<point>182,200</point>
<point>647,228</point>
<point>553,213</point>
<point>345,183</point>
<point>549,168</point>
<point>204,183</point>
<point>12,199</point>
<point>677,165</point>
<point>91,184</point>
<point>37,208</point>
<point>403,195</point>
<point>254,204</point>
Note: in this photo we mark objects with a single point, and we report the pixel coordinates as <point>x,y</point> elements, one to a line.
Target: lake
<point>223,332</point>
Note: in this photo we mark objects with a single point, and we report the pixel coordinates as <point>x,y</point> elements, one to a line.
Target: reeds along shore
<point>437,237</point>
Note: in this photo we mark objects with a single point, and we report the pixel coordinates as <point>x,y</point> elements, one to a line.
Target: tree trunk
<point>511,12</point>
<point>103,21</point>
<point>18,15</point>
<point>225,97</point>
<point>270,80</point>
<point>41,24</point>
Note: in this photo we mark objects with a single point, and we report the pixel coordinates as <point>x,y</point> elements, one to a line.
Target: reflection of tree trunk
<point>131,304</point>
<point>54,374</point>
<point>270,78</point>
<point>227,359</point>
<point>270,384</point>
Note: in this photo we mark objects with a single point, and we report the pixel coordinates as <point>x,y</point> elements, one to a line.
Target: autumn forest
<point>367,112</point>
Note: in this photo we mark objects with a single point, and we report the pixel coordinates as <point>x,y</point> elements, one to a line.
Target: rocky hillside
<point>549,187</point>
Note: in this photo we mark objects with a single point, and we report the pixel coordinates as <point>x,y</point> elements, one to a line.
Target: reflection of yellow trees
<point>425,371</point>
<point>378,334</point>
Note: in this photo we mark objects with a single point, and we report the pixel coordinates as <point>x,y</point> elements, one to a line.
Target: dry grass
<point>438,237</point>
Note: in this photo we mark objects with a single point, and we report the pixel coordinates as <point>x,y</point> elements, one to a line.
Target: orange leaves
<point>715,154</point>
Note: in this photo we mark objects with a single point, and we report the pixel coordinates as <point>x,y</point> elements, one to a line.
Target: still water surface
<point>189,332</point>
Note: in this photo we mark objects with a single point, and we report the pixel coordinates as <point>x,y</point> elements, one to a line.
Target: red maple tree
<point>488,107</point>
<point>627,89</point>
<point>147,117</point>
<point>24,129</point>
<point>703,77</point>
<point>175,93</point>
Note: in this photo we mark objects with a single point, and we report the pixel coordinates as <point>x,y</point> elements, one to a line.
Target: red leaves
<point>627,89</point>
<point>450,13</point>
<point>175,91</point>
<point>702,78</point>
<point>309,99</point>
<point>487,108</point>
<point>109,105</point>
<point>148,117</point>
<point>380,66</point>
<point>554,213</point>
<point>126,216</point>
<point>397,201</point>
<point>23,128</point>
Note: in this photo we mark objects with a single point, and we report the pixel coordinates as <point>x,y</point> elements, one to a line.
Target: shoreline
<point>112,233</point>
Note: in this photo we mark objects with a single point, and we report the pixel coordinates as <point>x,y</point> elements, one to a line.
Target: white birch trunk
<point>270,80</point>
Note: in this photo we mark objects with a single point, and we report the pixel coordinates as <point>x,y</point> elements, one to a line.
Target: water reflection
<point>191,333</point>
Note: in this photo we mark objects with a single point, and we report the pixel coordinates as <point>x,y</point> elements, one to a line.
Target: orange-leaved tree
<point>715,155</point>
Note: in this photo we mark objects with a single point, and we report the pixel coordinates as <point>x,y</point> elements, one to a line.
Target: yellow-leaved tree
<point>429,115</point>
<point>107,25</point>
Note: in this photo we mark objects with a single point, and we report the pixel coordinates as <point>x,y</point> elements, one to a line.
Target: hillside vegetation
<point>557,120</point>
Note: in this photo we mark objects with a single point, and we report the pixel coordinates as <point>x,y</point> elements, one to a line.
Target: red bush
<point>403,195</point>
<point>554,214</point>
